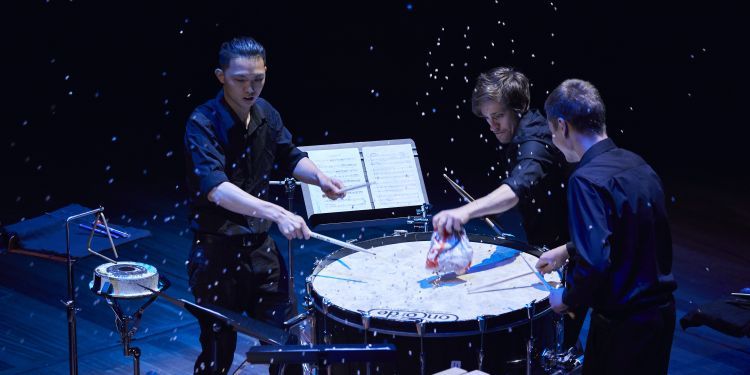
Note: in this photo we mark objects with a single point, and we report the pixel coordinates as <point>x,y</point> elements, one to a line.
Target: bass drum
<point>478,320</point>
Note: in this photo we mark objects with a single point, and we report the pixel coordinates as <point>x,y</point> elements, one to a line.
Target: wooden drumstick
<point>476,289</point>
<point>359,186</point>
<point>339,243</point>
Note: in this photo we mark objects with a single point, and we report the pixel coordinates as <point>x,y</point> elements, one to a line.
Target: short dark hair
<point>504,85</point>
<point>578,102</point>
<point>244,46</point>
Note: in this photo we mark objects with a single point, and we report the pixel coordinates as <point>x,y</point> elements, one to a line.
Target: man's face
<point>243,81</point>
<point>558,128</point>
<point>502,120</point>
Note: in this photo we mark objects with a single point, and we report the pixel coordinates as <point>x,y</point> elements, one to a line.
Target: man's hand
<point>450,220</point>
<point>292,226</point>
<point>552,259</point>
<point>556,302</point>
<point>332,187</point>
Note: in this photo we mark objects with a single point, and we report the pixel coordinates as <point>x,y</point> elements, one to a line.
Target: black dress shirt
<point>219,147</point>
<point>622,246</point>
<point>536,173</point>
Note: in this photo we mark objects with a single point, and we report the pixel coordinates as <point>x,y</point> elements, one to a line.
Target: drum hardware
<point>421,222</point>
<point>326,307</point>
<point>569,362</point>
<point>422,360</point>
<point>487,220</point>
<point>530,345</point>
<point>482,327</point>
<point>366,325</point>
<point>127,325</point>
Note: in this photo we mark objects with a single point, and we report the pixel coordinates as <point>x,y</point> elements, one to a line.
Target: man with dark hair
<point>233,143</point>
<point>535,168</point>
<point>621,246</point>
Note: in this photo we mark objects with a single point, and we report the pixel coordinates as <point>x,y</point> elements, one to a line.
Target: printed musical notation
<point>394,172</point>
<point>344,164</point>
<point>391,171</point>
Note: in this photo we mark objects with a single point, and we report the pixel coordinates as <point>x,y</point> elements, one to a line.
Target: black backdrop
<point>97,93</point>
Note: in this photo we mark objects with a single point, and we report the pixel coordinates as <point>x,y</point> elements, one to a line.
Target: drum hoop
<point>431,334</point>
<point>317,299</point>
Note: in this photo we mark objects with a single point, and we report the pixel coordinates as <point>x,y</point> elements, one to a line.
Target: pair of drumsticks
<point>532,271</point>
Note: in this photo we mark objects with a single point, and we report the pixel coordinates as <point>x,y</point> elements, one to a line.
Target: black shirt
<point>536,173</point>
<point>622,253</point>
<point>219,147</point>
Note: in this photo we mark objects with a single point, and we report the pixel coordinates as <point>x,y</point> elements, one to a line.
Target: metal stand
<point>290,184</point>
<point>70,302</point>
<point>123,322</point>
<point>421,222</point>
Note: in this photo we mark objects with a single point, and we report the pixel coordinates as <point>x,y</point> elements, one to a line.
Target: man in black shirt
<point>621,246</point>
<point>535,173</point>
<point>233,143</point>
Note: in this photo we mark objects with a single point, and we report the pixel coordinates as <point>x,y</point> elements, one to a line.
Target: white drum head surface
<point>394,284</point>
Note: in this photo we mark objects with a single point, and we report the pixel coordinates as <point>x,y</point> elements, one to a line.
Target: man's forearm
<point>307,172</point>
<point>229,196</point>
<point>500,200</point>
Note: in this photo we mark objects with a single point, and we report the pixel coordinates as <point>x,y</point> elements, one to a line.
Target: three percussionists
<point>604,217</point>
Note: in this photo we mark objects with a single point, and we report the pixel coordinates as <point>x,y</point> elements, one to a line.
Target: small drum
<point>125,280</point>
<point>436,322</point>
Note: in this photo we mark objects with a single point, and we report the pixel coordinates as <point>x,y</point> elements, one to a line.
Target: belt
<point>239,240</point>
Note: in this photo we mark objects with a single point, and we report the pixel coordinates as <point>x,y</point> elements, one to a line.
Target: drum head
<point>396,289</point>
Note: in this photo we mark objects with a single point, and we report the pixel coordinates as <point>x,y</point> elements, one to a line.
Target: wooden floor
<point>711,259</point>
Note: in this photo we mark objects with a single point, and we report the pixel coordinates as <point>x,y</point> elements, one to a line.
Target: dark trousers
<point>243,276</point>
<point>639,343</point>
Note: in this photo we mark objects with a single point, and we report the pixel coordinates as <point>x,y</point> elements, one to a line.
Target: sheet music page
<point>345,165</point>
<point>394,172</point>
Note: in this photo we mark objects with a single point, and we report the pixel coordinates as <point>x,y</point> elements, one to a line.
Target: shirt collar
<point>257,114</point>
<point>596,150</point>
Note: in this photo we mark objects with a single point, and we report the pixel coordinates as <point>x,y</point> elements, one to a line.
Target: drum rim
<point>541,307</point>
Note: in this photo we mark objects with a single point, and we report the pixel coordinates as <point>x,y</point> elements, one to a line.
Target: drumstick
<point>473,290</point>
<point>339,243</point>
<point>358,186</point>
<point>468,198</point>
<point>546,284</point>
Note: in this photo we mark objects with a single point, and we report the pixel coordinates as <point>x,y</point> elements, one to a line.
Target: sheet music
<point>394,172</point>
<point>345,165</point>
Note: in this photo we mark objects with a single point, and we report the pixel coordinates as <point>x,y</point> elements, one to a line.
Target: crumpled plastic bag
<point>449,252</point>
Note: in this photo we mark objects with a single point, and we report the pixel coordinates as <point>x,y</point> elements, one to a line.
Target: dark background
<point>97,93</point>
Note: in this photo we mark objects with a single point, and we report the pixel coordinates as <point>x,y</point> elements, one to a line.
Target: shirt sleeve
<point>590,234</point>
<point>287,152</point>
<point>205,156</point>
<point>534,163</point>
